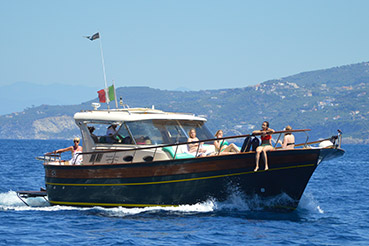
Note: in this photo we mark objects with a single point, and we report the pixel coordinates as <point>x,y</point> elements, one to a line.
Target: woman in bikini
<point>288,139</point>
<point>192,148</point>
<point>266,144</point>
<point>221,145</point>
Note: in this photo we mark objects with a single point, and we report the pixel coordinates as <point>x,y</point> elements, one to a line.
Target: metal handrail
<point>135,148</point>
<point>160,146</point>
<point>56,157</point>
<point>181,143</point>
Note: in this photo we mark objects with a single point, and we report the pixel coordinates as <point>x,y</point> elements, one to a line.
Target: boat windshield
<point>107,133</point>
<point>146,132</point>
<point>164,131</point>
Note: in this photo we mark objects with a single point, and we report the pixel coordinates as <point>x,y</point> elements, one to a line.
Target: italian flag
<point>107,94</point>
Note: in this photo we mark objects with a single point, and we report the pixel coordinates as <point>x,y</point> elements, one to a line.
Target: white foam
<point>235,202</point>
<point>203,207</point>
<point>240,202</point>
<point>308,202</point>
<point>10,201</point>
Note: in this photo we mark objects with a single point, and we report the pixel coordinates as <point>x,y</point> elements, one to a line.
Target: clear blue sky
<point>205,44</point>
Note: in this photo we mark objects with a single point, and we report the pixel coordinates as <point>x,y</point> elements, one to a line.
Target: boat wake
<point>10,201</point>
<point>237,204</point>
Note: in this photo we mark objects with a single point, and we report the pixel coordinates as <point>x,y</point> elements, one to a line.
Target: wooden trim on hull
<point>276,159</point>
<point>179,180</point>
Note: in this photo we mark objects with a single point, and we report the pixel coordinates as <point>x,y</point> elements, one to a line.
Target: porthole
<point>128,158</point>
<point>148,158</point>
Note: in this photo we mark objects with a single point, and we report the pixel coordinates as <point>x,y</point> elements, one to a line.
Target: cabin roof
<point>133,114</point>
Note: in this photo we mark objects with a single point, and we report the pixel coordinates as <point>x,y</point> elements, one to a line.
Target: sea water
<point>334,210</point>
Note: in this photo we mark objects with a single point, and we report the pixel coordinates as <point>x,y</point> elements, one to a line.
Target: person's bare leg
<point>257,157</point>
<point>265,160</point>
<point>231,148</point>
<point>267,148</point>
<point>226,153</point>
<point>227,149</point>
<point>234,148</point>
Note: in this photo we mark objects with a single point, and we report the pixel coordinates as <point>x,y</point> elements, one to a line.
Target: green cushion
<point>184,156</point>
<point>171,151</point>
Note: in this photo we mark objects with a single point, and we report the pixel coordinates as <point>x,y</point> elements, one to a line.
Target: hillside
<point>323,100</point>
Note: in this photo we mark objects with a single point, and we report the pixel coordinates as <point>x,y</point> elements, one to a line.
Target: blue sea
<point>334,210</point>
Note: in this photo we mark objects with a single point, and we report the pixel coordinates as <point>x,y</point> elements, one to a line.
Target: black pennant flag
<point>93,37</point>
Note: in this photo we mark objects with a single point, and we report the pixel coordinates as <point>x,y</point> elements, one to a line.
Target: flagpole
<point>103,64</point>
<point>115,96</point>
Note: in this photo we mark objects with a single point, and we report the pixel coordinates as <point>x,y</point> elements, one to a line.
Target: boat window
<point>166,131</point>
<point>109,133</point>
<point>176,133</point>
<point>202,132</point>
<point>145,132</point>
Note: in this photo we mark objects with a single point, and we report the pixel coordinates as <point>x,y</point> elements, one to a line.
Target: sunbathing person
<point>222,147</point>
<point>193,148</point>
<point>266,144</point>
<point>288,139</point>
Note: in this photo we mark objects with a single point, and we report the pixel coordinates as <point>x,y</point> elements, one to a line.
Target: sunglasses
<point>76,141</point>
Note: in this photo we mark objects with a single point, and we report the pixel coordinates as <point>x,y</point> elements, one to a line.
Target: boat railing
<point>50,157</point>
<point>96,156</point>
<point>335,140</point>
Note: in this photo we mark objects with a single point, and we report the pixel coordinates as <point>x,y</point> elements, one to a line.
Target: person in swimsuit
<point>266,144</point>
<point>75,149</point>
<point>221,145</point>
<point>192,148</point>
<point>288,139</point>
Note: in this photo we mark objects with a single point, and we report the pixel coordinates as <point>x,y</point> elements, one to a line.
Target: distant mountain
<point>323,100</point>
<point>338,76</point>
<point>182,89</point>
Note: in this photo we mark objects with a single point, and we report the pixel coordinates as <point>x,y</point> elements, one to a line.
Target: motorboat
<point>139,157</point>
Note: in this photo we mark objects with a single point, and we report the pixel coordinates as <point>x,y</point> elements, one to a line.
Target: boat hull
<point>186,181</point>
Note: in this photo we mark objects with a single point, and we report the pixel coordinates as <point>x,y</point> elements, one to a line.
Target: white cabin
<point>136,128</point>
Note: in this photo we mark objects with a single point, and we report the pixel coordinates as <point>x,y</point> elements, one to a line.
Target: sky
<point>193,44</point>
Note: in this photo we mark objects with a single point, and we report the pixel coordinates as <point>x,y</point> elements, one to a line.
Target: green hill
<point>322,100</point>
